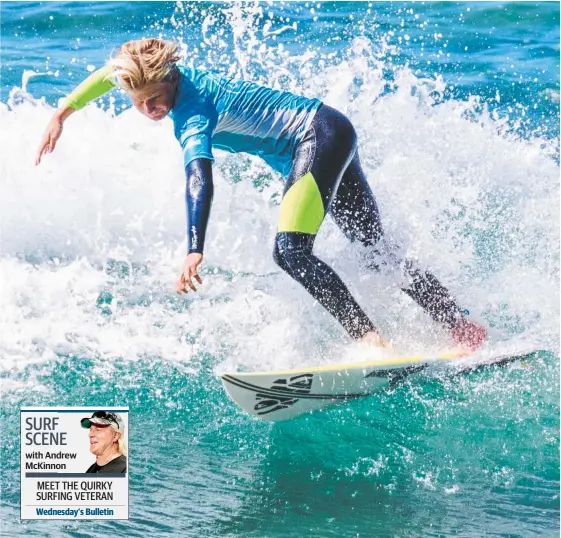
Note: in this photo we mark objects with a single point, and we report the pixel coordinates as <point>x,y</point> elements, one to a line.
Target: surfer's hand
<point>53,132</point>
<point>49,140</point>
<point>189,272</point>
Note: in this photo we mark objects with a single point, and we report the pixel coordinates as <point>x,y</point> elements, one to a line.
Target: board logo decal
<point>292,386</point>
<point>395,375</point>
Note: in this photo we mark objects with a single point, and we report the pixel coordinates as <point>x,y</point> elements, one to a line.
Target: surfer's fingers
<point>53,139</point>
<point>47,146</point>
<point>193,274</point>
<point>180,284</point>
<point>51,135</point>
<point>42,149</point>
<point>178,287</point>
<point>187,280</point>
<point>190,284</point>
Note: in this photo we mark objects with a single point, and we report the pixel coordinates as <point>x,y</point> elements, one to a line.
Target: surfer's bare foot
<point>469,335</point>
<point>373,338</point>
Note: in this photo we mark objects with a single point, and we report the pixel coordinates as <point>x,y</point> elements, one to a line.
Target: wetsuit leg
<point>355,211</point>
<point>320,160</point>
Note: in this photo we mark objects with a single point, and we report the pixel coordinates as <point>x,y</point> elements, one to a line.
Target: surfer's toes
<point>469,335</point>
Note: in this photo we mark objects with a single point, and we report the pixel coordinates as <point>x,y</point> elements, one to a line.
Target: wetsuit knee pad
<point>292,252</point>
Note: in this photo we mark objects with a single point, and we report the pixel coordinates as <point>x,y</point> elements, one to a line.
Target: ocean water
<point>457,109</point>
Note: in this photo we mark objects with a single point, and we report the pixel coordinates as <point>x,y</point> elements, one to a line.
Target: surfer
<point>313,145</point>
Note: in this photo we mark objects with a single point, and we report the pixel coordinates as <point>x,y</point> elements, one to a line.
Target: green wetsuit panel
<point>96,85</point>
<point>301,209</point>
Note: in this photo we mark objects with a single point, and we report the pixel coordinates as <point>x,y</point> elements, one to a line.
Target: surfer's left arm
<point>194,125</point>
<point>96,85</point>
<point>198,200</point>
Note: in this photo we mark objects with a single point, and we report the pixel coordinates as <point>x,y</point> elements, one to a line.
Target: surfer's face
<point>155,100</point>
<point>101,437</point>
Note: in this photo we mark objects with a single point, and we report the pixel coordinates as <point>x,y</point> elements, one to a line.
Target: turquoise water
<point>457,110</point>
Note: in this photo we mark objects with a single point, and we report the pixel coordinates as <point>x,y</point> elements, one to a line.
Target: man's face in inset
<point>102,437</point>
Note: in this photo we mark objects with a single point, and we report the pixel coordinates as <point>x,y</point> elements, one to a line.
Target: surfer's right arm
<point>53,132</point>
<point>96,85</point>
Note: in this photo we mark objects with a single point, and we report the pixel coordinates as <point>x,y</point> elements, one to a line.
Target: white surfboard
<point>284,395</point>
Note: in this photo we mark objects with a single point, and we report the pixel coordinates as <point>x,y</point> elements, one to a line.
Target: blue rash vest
<point>238,116</point>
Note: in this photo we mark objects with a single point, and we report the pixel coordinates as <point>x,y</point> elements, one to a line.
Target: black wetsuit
<point>327,160</point>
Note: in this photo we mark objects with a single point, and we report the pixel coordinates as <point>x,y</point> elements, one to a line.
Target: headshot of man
<point>107,442</point>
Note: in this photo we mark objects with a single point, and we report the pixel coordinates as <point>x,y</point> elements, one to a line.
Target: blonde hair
<point>144,61</point>
<point>123,449</point>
